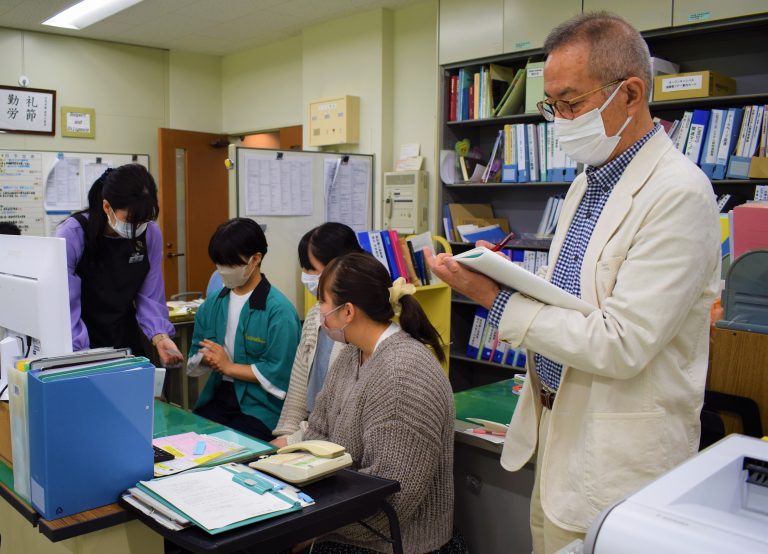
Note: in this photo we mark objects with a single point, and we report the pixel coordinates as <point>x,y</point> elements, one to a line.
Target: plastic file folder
<point>220,498</point>
<point>90,434</point>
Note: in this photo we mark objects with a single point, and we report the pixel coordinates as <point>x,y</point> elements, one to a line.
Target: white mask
<point>310,281</point>
<point>583,138</point>
<point>233,276</point>
<point>334,334</point>
<point>125,229</point>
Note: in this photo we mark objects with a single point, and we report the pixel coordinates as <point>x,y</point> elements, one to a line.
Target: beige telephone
<point>305,462</point>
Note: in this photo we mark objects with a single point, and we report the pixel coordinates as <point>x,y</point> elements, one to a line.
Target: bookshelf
<point>735,47</point>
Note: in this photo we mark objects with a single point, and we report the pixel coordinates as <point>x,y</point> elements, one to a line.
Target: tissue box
<point>696,84</point>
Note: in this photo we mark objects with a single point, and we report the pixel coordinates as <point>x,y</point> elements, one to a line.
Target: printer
<point>715,502</point>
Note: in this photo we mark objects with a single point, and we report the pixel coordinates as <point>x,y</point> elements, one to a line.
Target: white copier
<point>715,502</point>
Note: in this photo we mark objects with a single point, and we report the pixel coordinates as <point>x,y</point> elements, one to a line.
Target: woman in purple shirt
<point>114,259</point>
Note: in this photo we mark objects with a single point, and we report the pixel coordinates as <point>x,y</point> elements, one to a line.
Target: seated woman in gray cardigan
<point>387,400</point>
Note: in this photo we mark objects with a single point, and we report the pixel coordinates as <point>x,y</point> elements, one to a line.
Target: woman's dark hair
<point>235,241</point>
<point>326,242</point>
<point>129,187</point>
<point>362,280</point>
<point>9,228</point>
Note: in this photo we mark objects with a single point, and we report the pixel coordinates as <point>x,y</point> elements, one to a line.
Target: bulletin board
<point>289,192</point>
<point>39,189</point>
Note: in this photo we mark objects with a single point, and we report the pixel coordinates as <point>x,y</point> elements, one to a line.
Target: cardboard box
<point>697,84</point>
<point>5,434</point>
<point>758,169</point>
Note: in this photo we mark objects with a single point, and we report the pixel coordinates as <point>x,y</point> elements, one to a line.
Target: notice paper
<point>21,191</point>
<point>62,186</point>
<point>347,189</point>
<point>278,186</point>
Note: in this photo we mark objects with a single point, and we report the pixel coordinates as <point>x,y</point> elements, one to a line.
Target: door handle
<point>175,254</point>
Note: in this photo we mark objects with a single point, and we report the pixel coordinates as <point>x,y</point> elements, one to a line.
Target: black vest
<point>109,286</point>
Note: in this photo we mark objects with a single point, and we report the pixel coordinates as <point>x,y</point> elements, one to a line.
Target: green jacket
<point>267,337</point>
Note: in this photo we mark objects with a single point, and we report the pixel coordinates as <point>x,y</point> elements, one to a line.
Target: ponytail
<point>415,322</point>
<point>360,279</point>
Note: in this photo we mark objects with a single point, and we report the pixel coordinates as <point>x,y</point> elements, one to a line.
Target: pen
<point>487,432</point>
<point>499,245</point>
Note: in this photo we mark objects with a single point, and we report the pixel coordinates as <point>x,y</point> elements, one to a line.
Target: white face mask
<point>583,138</point>
<point>233,276</point>
<point>334,334</point>
<point>310,281</point>
<point>125,229</point>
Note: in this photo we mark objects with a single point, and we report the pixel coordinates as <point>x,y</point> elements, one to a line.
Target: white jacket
<point>634,370</point>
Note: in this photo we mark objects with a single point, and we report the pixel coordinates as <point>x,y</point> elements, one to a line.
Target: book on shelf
<point>698,128</point>
<point>476,332</point>
<point>534,85</point>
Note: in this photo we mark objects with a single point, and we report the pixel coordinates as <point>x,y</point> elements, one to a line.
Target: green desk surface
<point>6,475</point>
<point>494,402</point>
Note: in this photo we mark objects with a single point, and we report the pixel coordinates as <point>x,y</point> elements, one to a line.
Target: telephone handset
<point>323,449</point>
<point>305,462</point>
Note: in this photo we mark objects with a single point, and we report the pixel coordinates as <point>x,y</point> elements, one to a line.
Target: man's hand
<point>169,353</point>
<point>215,356</point>
<point>473,285</point>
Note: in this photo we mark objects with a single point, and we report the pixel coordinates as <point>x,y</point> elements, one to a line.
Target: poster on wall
<point>21,191</point>
<point>27,110</point>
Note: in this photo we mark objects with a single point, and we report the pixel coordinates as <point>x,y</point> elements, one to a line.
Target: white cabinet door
<point>528,22</point>
<point>700,11</point>
<point>643,14</point>
<point>470,29</point>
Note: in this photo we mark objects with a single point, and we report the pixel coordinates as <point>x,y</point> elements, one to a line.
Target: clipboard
<point>245,480</point>
<point>501,270</point>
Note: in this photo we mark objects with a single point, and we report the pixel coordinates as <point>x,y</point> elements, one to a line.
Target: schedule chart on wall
<point>21,190</point>
<point>277,185</point>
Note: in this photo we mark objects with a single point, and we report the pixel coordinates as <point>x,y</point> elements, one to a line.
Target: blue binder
<point>90,435</point>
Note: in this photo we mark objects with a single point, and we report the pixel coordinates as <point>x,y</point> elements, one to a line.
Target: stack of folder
<point>90,431</point>
<point>215,499</point>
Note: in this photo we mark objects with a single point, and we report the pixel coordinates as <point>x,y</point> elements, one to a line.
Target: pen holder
<point>758,169</point>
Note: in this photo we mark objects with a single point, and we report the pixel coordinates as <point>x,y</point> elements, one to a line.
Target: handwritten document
<point>278,187</point>
<point>21,191</point>
<point>347,190</point>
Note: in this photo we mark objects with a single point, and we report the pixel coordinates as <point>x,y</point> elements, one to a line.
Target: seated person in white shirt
<point>246,333</point>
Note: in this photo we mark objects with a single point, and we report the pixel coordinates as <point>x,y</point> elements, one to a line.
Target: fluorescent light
<point>88,12</point>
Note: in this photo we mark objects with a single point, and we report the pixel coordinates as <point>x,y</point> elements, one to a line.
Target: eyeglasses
<point>547,108</point>
<point>326,314</point>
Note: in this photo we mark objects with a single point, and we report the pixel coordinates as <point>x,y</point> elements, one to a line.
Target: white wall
<point>415,90</point>
<point>195,91</point>
<point>261,87</point>
<point>126,85</point>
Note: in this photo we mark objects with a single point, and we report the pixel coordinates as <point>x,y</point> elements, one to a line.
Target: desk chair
<point>712,426</point>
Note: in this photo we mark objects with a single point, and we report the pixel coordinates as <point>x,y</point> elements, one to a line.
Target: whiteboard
<point>39,189</point>
<point>289,192</point>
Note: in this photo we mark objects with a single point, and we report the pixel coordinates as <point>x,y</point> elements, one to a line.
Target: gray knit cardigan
<point>394,415</point>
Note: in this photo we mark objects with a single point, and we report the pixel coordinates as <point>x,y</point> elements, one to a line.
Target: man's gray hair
<point>617,50</point>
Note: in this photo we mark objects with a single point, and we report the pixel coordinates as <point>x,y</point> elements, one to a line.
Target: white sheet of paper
<point>278,187</point>
<point>409,150</point>
<point>409,164</point>
<point>504,271</point>
<point>213,499</point>
<point>21,191</point>
<point>62,186</point>
<point>347,187</point>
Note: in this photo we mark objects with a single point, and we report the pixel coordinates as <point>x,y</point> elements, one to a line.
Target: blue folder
<point>90,434</point>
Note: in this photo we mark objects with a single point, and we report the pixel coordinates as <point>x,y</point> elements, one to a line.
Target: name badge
<point>136,258</point>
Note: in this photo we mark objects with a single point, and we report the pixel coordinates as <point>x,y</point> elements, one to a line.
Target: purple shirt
<point>151,310</point>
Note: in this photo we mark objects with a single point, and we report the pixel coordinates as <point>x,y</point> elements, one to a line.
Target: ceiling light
<point>88,12</point>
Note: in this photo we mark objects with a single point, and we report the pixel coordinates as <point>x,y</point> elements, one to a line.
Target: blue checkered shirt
<point>567,272</point>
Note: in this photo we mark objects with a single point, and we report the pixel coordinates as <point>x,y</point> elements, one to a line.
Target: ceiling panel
<point>207,26</point>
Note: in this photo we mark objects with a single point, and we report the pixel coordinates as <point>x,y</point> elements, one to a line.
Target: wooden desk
<point>344,498</point>
<point>739,366</point>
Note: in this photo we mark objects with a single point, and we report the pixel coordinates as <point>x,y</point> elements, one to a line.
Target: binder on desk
<point>90,433</point>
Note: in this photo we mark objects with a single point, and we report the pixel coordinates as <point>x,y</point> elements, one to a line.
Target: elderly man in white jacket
<point>613,398</point>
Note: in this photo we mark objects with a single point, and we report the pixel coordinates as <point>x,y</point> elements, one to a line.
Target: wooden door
<point>193,202</point>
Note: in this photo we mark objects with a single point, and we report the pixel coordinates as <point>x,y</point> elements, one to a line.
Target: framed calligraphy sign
<point>27,110</point>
